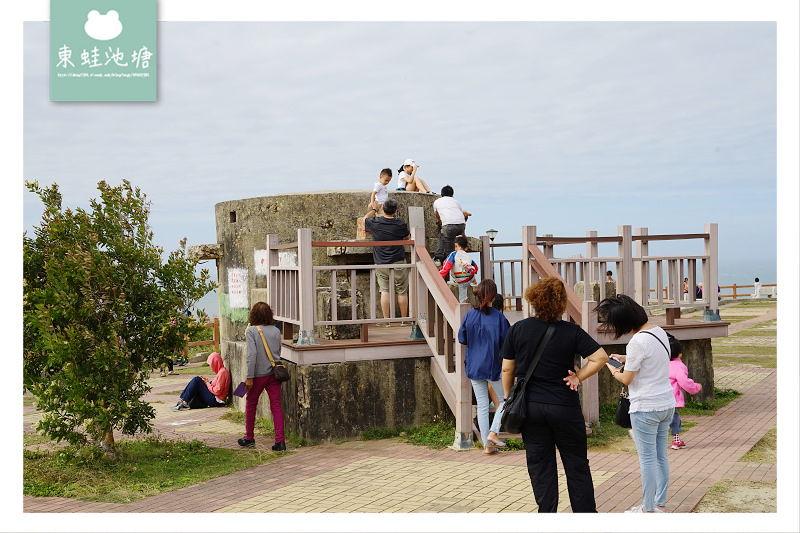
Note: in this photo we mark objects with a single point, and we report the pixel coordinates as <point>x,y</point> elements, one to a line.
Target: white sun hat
<point>410,162</point>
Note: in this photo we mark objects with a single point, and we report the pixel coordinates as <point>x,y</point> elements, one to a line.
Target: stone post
<point>710,274</point>
<point>591,392</point>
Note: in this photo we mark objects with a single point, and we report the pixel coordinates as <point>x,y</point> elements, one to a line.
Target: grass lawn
<point>761,362</point>
<point>144,467</point>
<point>720,349</point>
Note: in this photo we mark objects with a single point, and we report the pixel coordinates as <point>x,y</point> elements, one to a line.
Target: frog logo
<point>103,27</point>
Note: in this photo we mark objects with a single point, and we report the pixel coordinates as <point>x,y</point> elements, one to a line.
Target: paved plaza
<point>388,476</point>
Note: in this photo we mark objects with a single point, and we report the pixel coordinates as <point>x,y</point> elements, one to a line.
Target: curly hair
<point>260,314</point>
<point>548,298</point>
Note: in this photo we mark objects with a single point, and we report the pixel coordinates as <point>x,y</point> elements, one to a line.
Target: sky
<point>619,118</point>
<point>568,126</point>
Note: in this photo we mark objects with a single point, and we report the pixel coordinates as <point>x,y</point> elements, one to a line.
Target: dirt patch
<point>729,496</point>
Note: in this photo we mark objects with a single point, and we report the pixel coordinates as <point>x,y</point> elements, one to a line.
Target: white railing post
<point>710,274</point>
<point>418,297</point>
<point>272,261</point>
<point>591,253</point>
<point>306,288</point>
<point>591,390</point>
<point>625,277</point>
<point>463,400</point>
<point>642,273</point>
<point>528,275</point>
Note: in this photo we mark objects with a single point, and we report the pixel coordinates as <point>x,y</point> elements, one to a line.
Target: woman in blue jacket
<point>483,332</point>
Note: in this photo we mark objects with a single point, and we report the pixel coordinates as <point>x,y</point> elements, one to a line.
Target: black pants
<point>446,241</point>
<point>547,427</point>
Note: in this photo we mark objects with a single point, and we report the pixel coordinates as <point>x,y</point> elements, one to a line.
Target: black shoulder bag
<point>514,410</point>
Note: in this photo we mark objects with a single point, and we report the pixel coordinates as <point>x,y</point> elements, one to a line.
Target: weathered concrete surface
<point>611,289</point>
<point>340,400</point>
<point>696,356</point>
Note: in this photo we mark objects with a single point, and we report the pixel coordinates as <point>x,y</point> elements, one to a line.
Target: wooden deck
<point>394,342</point>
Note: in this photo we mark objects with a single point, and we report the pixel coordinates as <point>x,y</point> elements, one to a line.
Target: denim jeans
<point>197,395</point>
<point>481,388</point>
<point>676,426</point>
<point>650,432</point>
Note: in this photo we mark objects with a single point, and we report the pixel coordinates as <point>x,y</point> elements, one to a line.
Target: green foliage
<point>380,433</point>
<point>101,308</point>
<point>722,397</point>
<point>437,435</point>
<point>143,468</point>
<point>607,432</point>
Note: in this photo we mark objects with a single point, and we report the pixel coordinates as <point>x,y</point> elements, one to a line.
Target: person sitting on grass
<point>200,392</point>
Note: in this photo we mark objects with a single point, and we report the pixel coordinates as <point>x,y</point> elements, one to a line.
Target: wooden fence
<point>214,325</point>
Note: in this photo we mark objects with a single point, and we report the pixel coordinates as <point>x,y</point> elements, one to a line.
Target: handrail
<point>618,239</point>
<point>360,244</point>
<point>442,295</point>
<point>545,269</point>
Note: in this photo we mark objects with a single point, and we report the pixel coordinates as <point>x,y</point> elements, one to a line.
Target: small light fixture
<point>492,233</point>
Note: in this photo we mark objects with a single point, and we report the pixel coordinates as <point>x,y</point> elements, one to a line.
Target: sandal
<point>489,450</point>
<point>163,375</point>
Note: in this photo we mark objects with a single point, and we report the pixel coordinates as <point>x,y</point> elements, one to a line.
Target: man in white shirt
<point>453,219</point>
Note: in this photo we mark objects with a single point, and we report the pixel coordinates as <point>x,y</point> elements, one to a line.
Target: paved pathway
<point>389,476</point>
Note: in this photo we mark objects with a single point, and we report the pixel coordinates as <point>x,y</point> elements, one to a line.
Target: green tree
<point>101,308</point>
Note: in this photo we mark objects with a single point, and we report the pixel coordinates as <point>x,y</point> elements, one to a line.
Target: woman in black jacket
<point>554,417</point>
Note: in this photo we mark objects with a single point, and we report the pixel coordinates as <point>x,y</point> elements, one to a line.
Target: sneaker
<point>677,444</point>
<point>383,325</point>
<point>247,443</point>
<point>406,323</point>
<point>181,406</point>
<point>279,447</point>
<point>438,263</point>
<point>640,509</point>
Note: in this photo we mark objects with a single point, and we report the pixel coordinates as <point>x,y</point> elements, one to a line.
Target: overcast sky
<point>568,126</point>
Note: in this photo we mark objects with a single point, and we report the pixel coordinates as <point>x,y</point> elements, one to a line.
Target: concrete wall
<point>696,356</point>
<point>340,400</point>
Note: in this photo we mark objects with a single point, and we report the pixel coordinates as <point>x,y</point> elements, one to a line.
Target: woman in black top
<point>554,417</point>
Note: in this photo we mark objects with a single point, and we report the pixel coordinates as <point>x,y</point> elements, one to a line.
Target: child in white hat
<point>408,179</point>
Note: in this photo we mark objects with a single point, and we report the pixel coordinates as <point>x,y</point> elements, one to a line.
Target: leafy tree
<point>101,309</point>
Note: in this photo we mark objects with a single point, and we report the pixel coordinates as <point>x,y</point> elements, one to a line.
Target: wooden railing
<point>291,292</point>
<point>214,325</point>
<point>638,272</point>
<point>767,291</point>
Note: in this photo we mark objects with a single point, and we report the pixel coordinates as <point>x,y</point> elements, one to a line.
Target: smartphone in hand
<point>615,363</point>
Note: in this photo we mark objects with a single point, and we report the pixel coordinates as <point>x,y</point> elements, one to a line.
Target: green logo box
<point>103,51</point>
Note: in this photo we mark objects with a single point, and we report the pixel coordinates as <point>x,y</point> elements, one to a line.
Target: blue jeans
<point>481,388</point>
<point>676,426</point>
<point>650,432</point>
<point>197,395</point>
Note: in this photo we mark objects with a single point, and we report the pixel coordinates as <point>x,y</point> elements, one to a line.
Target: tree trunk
<point>107,444</point>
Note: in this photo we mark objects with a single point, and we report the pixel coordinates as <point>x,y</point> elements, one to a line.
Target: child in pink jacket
<point>680,381</point>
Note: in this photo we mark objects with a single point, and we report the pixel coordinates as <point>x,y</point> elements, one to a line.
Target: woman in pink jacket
<point>200,392</point>
<point>680,381</point>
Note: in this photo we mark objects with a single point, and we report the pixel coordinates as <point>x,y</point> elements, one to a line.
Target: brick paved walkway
<point>389,476</point>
